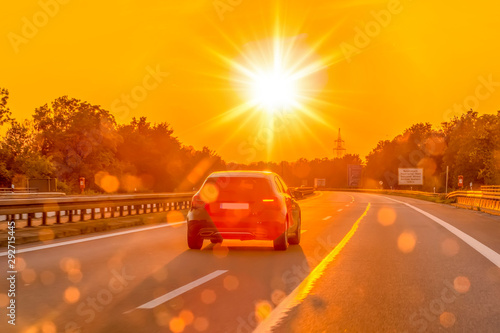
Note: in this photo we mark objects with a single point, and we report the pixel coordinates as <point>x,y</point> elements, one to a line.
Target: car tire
<point>195,242</point>
<point>281,243</point>
<point>215,241</point>
<point>295,239</point>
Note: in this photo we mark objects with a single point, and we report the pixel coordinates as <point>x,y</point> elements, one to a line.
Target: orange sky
<point>419,59</point>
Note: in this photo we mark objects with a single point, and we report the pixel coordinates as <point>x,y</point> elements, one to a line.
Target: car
<point>244,205</point>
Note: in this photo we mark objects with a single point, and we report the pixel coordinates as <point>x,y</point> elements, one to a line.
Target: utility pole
<point>447,169</point>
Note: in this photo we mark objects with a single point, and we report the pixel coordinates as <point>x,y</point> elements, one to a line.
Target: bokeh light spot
<point>46,235</point>
<point>20,264</point>
<point>47,278</point>
<point>162,317</point>
<point>175,216</point>
<point>461,284</point>
<point>220,251</point>
<point>277,296</point>
<point>450,247</point>
<point>187,316</point>
<point>160,274</point>
<point>208,296</point>
<point>407,241</point>
<point>49,327</point>
<point>75,275</point>
<point>176,325</point>
<point>71,295</point>
<point>386,216</point>
<point>209,193</point>
<point>107,182</point>
<point>201,324</point>
<point>68,264</point>
<point>262,310</point>
<point>447,319</point>
<point>28,275</point>
<point>231,282</point>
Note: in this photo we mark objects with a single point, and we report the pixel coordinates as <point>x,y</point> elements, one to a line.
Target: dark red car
<point>245,205</point>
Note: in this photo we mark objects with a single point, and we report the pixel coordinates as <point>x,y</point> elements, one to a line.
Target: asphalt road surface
<point>366,263</point>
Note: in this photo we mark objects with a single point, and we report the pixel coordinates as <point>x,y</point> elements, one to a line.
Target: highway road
<point>366,263</point>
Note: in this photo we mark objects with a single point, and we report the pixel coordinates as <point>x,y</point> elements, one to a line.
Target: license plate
<point>231,205</point>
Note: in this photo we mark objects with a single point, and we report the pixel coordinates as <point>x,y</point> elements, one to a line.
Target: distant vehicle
<point>244,205</point>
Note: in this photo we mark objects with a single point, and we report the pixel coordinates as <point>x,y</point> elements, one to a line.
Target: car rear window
<point>235,189</point>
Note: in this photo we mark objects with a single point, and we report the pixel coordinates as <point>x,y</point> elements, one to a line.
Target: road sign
<point>460,181</point>
<point>411,176</point>
<point>354,175</point>
<point>319,182</point>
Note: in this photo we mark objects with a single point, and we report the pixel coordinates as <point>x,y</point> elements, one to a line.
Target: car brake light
<point>268,200</point>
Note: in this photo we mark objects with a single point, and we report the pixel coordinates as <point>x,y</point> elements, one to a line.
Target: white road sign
<point>410,176</point>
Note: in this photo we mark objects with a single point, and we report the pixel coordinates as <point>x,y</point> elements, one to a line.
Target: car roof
<point>243,173</point>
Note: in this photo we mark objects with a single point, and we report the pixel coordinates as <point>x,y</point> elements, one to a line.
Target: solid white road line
<point>476,245</point>
<point>327,218</point>
<point>181,290</point>
<point>88,239</point>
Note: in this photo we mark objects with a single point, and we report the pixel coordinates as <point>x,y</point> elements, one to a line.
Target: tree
<point>5,114</point>
<point>19,156</point>
<point>78,137</point>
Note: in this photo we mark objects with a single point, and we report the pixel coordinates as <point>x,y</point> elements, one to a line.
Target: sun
<point>273,90</point>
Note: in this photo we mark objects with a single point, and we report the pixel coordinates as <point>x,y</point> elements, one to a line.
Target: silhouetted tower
<point>339,146</point>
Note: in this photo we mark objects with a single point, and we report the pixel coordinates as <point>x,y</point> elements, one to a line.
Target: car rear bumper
<point>265,230</point>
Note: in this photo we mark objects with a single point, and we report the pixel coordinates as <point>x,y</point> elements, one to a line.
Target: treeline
<point>68,139</point>
<point>469,145</point>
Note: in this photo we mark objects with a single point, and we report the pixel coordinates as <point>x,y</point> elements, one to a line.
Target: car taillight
<point>271,203</point>
<point>197,202</point>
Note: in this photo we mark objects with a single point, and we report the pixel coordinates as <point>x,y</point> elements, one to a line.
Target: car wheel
<point>195,242</point>
<point>215,241</point>
<point>281,243</point>
<point>295,239</point>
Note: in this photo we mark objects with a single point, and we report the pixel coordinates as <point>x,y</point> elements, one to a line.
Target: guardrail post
<point>58,217</point>
<point>70,215</point>
<point>129,207</point>
<point>44,218</point>
<point>137,209</point>
<point>121,211</point>
<point>30,220</point>
<point>112,210</point>
<point>82,214</point>
<point>92,213</point>
<point>103,212</point>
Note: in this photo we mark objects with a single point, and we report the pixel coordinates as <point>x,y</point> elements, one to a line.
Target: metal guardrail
<point>79,207</point>
<point>301,192</point>
<point>384,191</point>
<point>488,199</point>
<point>18,190</point>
